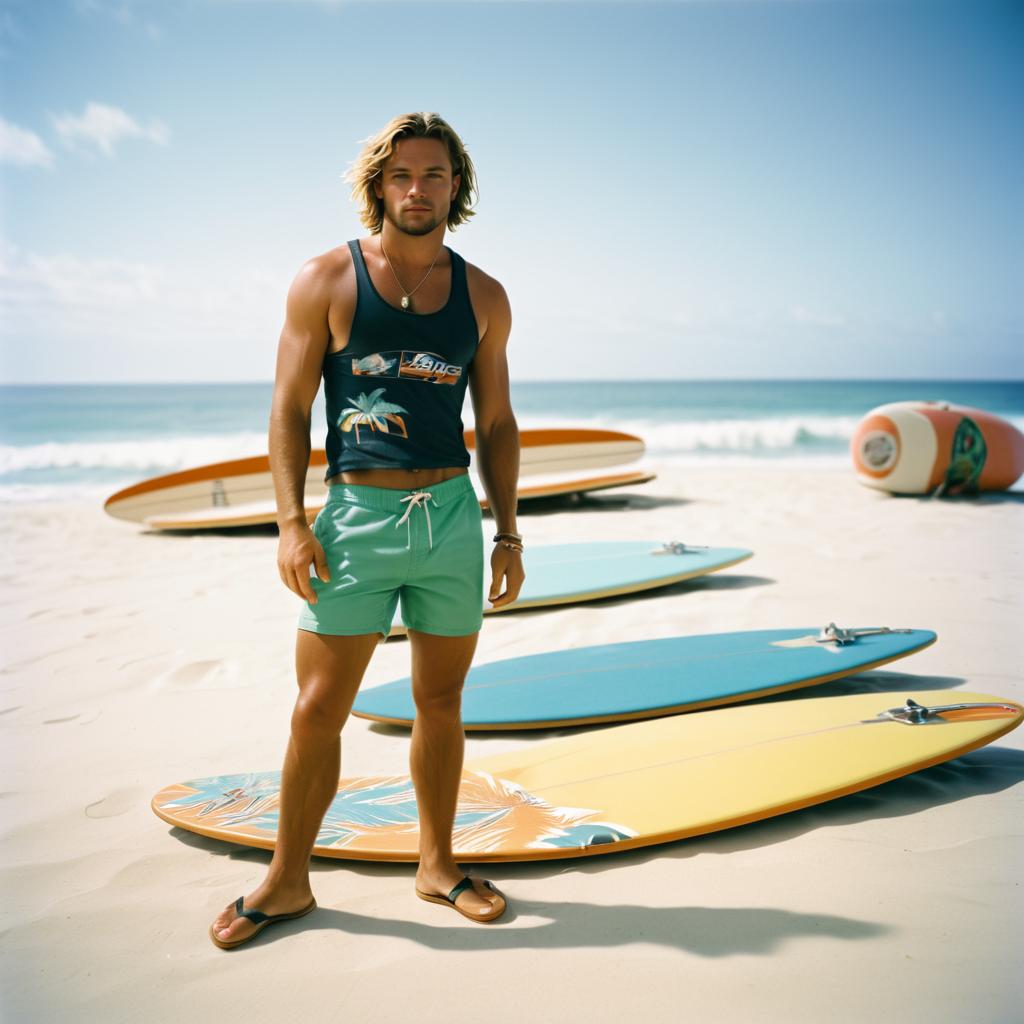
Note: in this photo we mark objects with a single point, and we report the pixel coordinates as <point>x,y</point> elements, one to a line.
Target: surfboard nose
<point>875,447</point>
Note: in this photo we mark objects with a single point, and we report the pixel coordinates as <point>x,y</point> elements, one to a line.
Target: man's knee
<point>318,712</point>
<point>444,704</point>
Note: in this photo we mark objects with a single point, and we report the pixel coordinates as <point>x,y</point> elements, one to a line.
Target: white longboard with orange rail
<point>240,492</point>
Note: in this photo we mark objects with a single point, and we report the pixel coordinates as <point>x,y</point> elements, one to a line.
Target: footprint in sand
<point>199,675</point>
<point>121,801</point>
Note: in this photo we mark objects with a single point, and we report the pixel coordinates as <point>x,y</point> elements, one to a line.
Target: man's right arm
<point>300,356</point>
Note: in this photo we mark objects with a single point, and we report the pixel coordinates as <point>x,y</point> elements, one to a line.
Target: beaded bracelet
<point>511,541</point>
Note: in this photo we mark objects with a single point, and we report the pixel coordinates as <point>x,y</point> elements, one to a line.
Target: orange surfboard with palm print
<point>614,789</point>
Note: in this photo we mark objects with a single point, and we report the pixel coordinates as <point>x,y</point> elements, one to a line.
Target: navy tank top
<point>394,394</point>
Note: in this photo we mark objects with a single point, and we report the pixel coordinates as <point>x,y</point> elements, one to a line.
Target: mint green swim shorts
<point>423,547</point>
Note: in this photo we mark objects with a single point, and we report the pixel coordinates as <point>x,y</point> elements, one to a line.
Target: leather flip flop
<point>449,900</point>
<point>258,918</point>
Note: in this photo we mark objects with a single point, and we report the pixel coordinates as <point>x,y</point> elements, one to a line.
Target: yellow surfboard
<point>627,786</point>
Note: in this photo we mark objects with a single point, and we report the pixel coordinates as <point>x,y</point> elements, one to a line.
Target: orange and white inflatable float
<point>936,448</point>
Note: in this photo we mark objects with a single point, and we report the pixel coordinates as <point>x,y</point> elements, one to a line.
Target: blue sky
<point>683,189</point>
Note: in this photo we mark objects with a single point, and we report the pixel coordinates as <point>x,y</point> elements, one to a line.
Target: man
<point>397,324</point>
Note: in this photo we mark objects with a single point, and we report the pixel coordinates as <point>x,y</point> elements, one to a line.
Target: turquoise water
<point>63,439</point>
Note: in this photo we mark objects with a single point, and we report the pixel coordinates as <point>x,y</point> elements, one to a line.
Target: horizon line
<point>547,380</point>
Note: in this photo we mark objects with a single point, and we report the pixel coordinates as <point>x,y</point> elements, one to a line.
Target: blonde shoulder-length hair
<point>367,167</point>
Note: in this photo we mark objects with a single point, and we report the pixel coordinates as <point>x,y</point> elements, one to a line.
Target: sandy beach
<point>134,659</point>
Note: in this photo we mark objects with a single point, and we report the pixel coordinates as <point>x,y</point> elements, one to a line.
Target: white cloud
<point>104,126</point>
<point>803,315</point>
<point>39,284</point>
<point>137,320</point>
<point>22,147</point>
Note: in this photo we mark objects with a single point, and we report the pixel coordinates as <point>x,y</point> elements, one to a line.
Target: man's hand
<point>297,549</point>
<point>506,565</point>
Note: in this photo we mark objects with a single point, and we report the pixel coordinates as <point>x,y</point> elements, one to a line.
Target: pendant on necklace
<point>405,302</point>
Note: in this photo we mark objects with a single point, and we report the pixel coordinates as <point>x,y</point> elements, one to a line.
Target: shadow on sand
<point>603,502</point>
<point>982,498</point>
<point>259,530</point>
<point>700,930</point>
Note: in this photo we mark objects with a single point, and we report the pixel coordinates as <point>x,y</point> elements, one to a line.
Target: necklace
<point>407,296</point>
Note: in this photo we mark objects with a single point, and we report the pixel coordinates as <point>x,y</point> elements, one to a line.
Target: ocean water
<point>63,441</point>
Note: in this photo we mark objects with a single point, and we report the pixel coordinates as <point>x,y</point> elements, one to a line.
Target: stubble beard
<point>415,232</point>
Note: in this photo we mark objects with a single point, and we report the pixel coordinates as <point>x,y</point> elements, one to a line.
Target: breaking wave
<point>152,455</point>
<point>798,435</point>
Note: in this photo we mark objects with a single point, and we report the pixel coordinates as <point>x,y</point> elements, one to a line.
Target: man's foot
<point>479,901</point>
<point>232,928</point>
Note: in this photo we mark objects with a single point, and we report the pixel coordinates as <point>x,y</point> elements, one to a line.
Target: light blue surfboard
<point>647,678</point>
<point>570,573</point>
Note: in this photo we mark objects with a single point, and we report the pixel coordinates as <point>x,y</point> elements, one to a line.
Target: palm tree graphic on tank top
<point>370,410</point>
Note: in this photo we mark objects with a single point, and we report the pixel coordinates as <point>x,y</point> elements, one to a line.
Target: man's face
<point>417,186</point>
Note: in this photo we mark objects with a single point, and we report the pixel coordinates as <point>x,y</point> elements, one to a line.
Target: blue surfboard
<point>570,573</point>
<point>647,678</point>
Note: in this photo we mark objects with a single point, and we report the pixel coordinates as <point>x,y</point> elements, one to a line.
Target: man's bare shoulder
<point>481,282</point>
<point>325,272</point>
<point>323,291</point>
<point>488,296</point>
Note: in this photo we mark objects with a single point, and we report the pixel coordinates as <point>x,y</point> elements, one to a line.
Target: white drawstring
<point>417,498</point>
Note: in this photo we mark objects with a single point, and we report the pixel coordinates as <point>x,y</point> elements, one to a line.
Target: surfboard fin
<point>836,634</point>
<point>913,713</point>
<point>677,547</point>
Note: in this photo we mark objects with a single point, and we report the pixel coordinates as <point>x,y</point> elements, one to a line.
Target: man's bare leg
<point>439,667</point>
<point>329,670</point>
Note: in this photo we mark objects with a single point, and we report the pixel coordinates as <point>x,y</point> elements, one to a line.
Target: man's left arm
<point>497,440</point>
